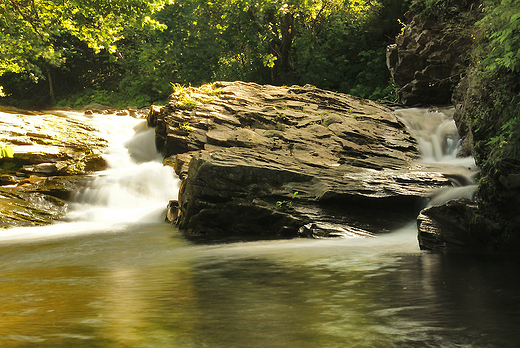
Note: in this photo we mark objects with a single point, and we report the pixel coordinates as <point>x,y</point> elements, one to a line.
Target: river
<point>100,281</point>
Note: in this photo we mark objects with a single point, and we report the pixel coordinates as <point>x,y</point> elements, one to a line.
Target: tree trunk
<point>287,38</point>
<point>281,48</point>
<point>51,83</point>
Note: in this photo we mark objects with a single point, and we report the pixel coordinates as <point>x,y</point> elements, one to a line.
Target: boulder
<point>265,160</point>
<point>458,226</point>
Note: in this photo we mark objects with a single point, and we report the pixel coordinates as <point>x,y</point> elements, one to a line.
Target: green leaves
<point>29,29</point>
<point>136,47</point>
<point>502,26</point>
<point>6,151</point>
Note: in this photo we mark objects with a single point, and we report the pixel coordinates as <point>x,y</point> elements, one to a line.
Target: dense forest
<point>130,52</point>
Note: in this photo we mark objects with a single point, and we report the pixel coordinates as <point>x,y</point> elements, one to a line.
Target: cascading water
<point>439,143</point>
<point>134,189</point>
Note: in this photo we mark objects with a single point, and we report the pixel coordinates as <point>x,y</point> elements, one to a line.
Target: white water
<point>439,143</point>
<point>137,187</point>
<point>134,190</point>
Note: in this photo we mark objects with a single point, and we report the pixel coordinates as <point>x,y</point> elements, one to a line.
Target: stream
<point>115,275</point>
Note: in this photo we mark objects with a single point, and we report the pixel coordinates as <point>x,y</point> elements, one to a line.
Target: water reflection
<point>143,288</point>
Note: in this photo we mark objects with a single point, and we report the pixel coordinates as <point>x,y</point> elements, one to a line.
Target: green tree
<point>31,31</point>
<point>133,49</point>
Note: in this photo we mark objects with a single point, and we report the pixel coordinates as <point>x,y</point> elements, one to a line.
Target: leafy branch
<point>287,203</point>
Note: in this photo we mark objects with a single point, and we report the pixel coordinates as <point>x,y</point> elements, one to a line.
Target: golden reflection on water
<point>96,302</point>
<point>150,290</point>
<point>85,304</point>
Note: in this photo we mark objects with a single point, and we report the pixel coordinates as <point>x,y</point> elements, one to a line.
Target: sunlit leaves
<point>6,152</point>
<point>502,24</point>
<point>29,29</point>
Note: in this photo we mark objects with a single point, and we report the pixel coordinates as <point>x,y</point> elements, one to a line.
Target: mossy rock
<point>29,209</point>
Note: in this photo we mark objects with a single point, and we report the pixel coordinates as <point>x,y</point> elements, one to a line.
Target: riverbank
<point>55,152</point>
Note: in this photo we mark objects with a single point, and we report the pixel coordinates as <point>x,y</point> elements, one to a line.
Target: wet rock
<point>28,208</point>
<point>6,179</point>
<point>172,211</point>
<point>265,160</point>
<point>456,226</point>
<point>328,230</point>
<point>122,113</point>
<point>96,108</point>
<point>52,154</point>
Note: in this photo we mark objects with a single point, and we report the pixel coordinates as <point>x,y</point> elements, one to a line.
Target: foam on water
<point>439,143</point>
<point>134,190</point>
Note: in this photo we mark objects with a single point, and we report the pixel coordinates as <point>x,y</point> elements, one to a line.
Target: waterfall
<point>439,144</point>
<point>135,188</point>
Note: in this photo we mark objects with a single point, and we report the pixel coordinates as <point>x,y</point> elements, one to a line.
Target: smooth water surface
<point>149,287</point>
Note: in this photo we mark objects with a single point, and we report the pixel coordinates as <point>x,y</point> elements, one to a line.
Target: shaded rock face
<point>429,57</point>
<point>52,155</point>
<point>488,224</point>
<point>267,160</point>
<point>499,200</point>
<point>456,226</point>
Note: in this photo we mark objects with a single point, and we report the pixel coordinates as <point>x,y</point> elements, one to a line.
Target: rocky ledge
<point>52,155</point>
<point>282,161</point>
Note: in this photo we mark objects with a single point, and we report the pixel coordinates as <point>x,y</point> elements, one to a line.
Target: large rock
<point>456,226</point>
<point>271,160</point>
<point>431,54</point>
<point>490,223</point>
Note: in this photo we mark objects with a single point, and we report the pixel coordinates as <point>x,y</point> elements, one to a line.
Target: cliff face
<point>430,55</point>
<point>484,105</point>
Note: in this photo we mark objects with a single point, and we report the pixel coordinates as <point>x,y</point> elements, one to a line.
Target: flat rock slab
<point>267,160</point>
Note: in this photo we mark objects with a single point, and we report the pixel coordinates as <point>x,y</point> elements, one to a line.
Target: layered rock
<point>431,55</point>
<point>456,226</point>
<point>52,154</point>
<point>267,160</point>
<point>488,224</point>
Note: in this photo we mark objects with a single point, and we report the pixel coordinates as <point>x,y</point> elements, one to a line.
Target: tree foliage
<point>109,49</point>
<point>502,27</point>
<point>34,33</point>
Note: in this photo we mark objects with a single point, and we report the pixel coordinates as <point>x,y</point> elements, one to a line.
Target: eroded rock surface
<point>456,226</point>
<point>267,160</point>
<point>52,154</point>
<point>431,55</point>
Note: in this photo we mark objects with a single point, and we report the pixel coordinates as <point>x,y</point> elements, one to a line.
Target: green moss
<point>188,98</point>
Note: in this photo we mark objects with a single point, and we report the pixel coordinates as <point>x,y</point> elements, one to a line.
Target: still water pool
<point>147,286</point>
